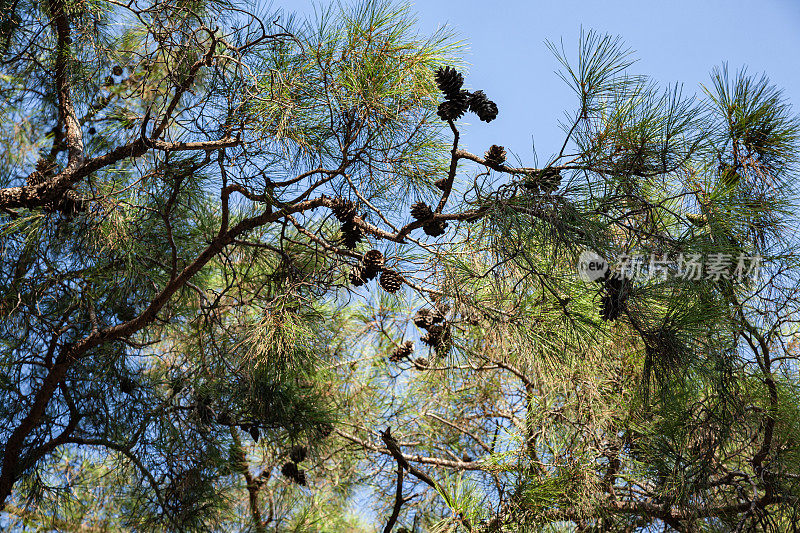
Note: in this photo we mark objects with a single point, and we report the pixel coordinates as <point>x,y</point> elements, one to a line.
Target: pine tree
<point>191,339</point>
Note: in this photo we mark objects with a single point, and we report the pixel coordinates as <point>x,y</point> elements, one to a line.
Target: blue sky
<point>677,41</point>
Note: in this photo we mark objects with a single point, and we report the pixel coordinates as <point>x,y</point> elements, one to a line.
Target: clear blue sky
<point>676,41</point>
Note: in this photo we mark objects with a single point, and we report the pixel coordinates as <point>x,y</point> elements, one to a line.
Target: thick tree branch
<point>66,110</point>
<point>398,500</point>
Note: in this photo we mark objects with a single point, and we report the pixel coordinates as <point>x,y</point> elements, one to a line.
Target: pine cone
<point>421,211</point>
<point>117,70</point>
<point>435,335</point>
<point>373,260</point>
<point>453,108</point>
<point>255,433</point>
<point>343,210</point>
<point>612,304</point>
<point>531,182</point>
<point>297,453</point>
<point>438,337</point>
<point>127,385</point>
<point>609,310</point>
<point>549,180</point>
<point>482,106</point>
<point>357,276</point>
<point>69,204</point>
<point>351,235</point>
<point>421,362</point>
<point>402,351</point>
<point>495,155</point>
<point>202,408</point>
<point>35,178</point>
<point>423,318</point>
<point>697,219</point>
<point>441,310</point>
<point>176,384</point>
<point>390,281</point>
<point>435,228</point>
<point>369,274</point>
<point>440,183</point>
<point>449,81</point>
<point>289,470</point>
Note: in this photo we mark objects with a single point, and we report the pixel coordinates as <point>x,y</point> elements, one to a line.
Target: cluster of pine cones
<point>458,101</point>
<point>546,181</point>
<point>423,213</point>
<point>403,351</point>
<point>290,468</point>
<point>437,329</point>
<point>372,265</point>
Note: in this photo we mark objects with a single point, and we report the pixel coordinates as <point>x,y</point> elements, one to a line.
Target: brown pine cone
<point>373,260</point>
<point>421,211</point>
<point>449,81</point>
<point>401,352</point>
<point>356,276</point>
<point>435,228</point>
<point>390,281</point>
<point>343,210</point>
<point>351,235</point>
<point>495,155</point>
<point>298,453</point>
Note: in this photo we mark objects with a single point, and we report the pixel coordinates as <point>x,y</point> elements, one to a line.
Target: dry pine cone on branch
<point>351,235</point>
<point>425,318</point>
<point>449,81</point>
<point>390,281</point>
<point>549,180</point>
<point>373,259</point>
<point>614,302</point>
<point>453,108</point>
<point>356,276</point>
<point>495,155</point>
<point>403,351</point>
<point>291,471</point>
<point>421,211</point>
<point>435,228</point>
<point>343,210</point>
<point>298,453</point>
<point>482,106</point>
<point>436,336</point>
